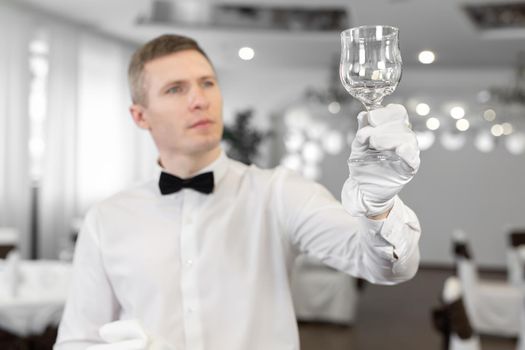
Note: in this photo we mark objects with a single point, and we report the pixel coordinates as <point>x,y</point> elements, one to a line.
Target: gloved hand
<point>371,188</point>
<point>127,335</point>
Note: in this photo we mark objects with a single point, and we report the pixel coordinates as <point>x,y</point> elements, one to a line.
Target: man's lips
<point>201,123</point>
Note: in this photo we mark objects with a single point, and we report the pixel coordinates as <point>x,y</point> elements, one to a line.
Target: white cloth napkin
<point>12,273</point>
<point>41,288</point>
<point>127,335</point>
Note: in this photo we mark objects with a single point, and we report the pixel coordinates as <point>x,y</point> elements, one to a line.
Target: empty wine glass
<point>370,69</point>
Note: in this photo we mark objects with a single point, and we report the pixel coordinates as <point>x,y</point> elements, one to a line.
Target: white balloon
<point>292,161</point>
<point>294,141</point>
<point>311,172</point>
<point>333,142</point>
<point>425,139</point>
<point>452,142</point>
<point>316,131</point>
<point>312,153</point>
<point>484,142</point>
<point>297,118</point>
<point>515,143</point>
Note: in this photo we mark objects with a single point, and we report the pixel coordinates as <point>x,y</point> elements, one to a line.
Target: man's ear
<point>138,114</point>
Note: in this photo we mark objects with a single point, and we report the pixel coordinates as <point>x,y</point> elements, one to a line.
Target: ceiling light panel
<point>257,17</point>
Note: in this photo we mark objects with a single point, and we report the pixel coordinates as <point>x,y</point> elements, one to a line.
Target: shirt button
<point>189,262</point>
<point>189,221</point>
<point>189,310</point>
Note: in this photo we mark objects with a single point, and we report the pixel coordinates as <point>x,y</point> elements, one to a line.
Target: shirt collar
<point>218,167</point>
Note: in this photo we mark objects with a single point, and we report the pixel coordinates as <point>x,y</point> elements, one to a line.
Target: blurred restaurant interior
<point>67,141</point>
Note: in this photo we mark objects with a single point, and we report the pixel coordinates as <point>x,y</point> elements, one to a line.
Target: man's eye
<point>174,90</point>
<point>208,83</point>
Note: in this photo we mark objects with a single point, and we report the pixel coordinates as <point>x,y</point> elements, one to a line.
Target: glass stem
<point>371,107</point>
<point>375,105</point>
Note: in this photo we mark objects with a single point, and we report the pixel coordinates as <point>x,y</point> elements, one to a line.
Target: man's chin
<point>205,147</point>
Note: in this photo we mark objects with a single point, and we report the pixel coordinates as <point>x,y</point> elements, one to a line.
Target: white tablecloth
<point>39,298</point>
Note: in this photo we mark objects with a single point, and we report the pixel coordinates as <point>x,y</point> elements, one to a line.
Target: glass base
<point>373,156</point>
<point>386,159</point>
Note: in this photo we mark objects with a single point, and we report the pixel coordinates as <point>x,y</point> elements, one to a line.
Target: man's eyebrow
<point>174,82</point>
<point>185,81</point>
<point>208,77</point>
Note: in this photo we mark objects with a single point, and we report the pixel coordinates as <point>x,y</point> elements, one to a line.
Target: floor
<point>393,317</point>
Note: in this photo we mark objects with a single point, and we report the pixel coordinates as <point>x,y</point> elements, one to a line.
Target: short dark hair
<point>161,46</point>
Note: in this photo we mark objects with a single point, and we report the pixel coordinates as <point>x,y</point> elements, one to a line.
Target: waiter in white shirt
<point>200,258</point>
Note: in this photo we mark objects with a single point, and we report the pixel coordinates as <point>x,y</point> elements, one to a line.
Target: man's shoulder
<point>137,193</point>
<point>255,171</point>
<point>274,177</point>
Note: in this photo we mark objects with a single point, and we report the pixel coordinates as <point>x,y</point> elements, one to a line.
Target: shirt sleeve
<point>382,252</point>
<point>91,302</point>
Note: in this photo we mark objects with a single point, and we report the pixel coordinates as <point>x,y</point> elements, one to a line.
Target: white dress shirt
<point>212,272</point>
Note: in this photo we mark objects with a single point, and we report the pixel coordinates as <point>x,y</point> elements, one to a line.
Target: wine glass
<point>370,69</point>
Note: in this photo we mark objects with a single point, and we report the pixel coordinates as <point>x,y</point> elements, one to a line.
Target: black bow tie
<point>170,183</point>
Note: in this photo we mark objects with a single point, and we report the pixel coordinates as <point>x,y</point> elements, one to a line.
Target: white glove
<point>371,188</point>
<point>127,335</point>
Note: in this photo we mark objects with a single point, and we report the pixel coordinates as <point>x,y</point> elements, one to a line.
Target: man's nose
<point>198,99</point>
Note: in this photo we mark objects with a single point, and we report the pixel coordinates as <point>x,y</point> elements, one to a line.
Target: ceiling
<point>441,26</point>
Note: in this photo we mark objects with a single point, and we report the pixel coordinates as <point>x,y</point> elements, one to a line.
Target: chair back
<point>515,261</point>
<point>462,336</point>
<point>8,240</point>
<point>517,238</point>
<point>521,336</point>
<point>466,269</point>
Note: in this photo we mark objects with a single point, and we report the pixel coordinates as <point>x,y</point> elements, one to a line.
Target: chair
<point>521,338</point>
<point>8,240</point>
<point>44,341</point>
<point>321,293</point>
<point>516,258</point>
<point>452,320</point>
<point>493,307</point>
<point>10,341</point>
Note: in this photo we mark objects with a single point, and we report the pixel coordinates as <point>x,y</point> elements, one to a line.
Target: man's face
<point>184,104</point>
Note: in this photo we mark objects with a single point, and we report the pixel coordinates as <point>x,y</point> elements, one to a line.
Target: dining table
<point>32,296</point>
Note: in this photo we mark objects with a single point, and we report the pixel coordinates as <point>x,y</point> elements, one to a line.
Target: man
<point>204,263</point>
